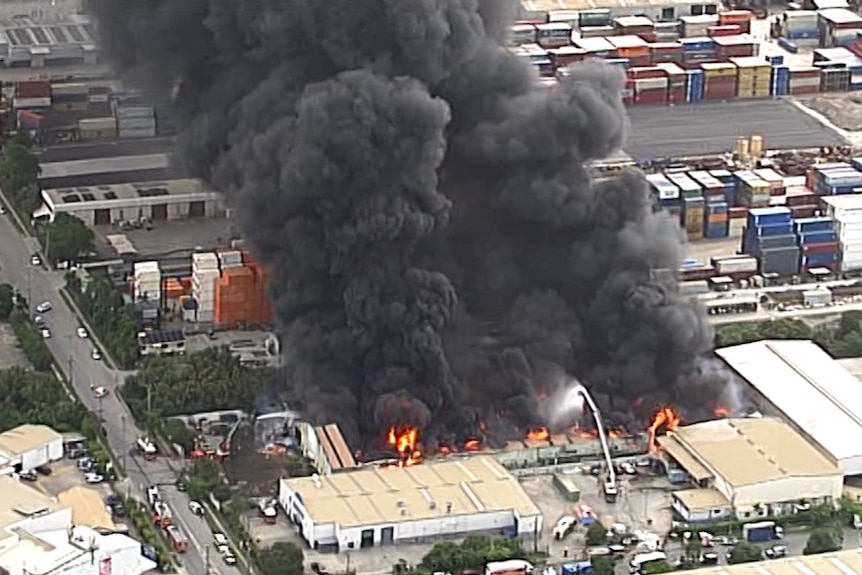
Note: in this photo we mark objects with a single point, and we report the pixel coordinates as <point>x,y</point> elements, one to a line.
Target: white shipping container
<point>136,134</point>
<point>736,265</point>
<point>131,124</point>
<point>125,112</point>
<point>29,103</point>
<point>99,98</point>
<point>805,83</point>
<point>98,124</point>
<point>230,259</point>
<point>650,84</point>
<point>205,260</point>
<point>69,89</point>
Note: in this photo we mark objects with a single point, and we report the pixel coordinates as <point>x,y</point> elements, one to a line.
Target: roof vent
<point>401,503</point>
<point>403,513</point>
<point>432,505</point>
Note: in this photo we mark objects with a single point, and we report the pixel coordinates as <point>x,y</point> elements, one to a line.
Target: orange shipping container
<point>717,218</point>
<point>186,282</point>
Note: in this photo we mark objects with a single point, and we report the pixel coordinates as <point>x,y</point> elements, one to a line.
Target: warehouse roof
<point>24,438</point>
<point>117,192</point>
<point>752,450</point>
<point>839,563</point>
<point>87,507</point>
<point>629,5</point>
<point>698,499</point>
<point>809,387</point>
<point>18,501</point>
<point>691,465</point>
<point>104,165</point>
<point>389,494</point>
<point>56,31</point>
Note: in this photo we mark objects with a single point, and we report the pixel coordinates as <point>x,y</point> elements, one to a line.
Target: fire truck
<point>162,515</point>
<point>145,447</point>
<point>178,540</point>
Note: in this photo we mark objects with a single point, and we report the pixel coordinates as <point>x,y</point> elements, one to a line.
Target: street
<point>73,358</point>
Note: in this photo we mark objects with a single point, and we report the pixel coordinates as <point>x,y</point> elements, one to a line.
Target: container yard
<point>702,58</point>
<point>226,289</point>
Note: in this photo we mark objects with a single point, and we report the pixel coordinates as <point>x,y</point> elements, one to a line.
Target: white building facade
<point>27,447</point>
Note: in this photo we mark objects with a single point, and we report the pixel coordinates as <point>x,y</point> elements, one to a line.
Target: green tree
<point>207,380</point>
<point>474,552</point>
<point>18,173</point>
<point>180,434</point>
<point>280,559</point>
<point>745,552</point>
<point>602,566</point>
<point>785,329</point>
<point>7,300</point>
<point>110,316</point>
<point>597,534</point>
<point>31,341</point>
<point>850,322</point>
<point>31,397</point>
<point>693,549</point>
<point>656,567</point>
<point>65,239</point>
<point>821,540</point>
<point>203,477</point>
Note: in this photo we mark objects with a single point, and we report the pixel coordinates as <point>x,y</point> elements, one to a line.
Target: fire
<point>721,412</point>
<point>666,419</point>
<point>472,445</point>
<point>540,434</point>
<point>405,440</point>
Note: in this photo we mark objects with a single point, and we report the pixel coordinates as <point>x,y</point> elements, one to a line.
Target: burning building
<point>441,255</point>
<point>749,467</point>
<point>411,504</point>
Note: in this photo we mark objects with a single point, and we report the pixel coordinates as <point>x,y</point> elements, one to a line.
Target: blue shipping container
<point>821,259</point>
<point>823,237</point>
<point>694,85</point>
<point>808,225</point>
<point>768,216</point>
<point>767,230</point>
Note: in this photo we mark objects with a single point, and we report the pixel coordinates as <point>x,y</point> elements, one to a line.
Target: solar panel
<point>152,192</point>
<point>71,199</point>
<point>40,36</point>
<point>60,35</point>
<point>88,197</point>
<point>75,33</point>
<point>110,196</point>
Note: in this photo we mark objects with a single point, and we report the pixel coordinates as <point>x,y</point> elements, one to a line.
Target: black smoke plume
<point>440,252</point>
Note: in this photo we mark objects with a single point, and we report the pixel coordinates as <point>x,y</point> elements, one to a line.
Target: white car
<point>564,526</point>
<point>35,260</point>
<point>224,550</point>
<point>46,333</point>
<point>96,354</point>
<point>229,558</point>
<point>100,392</point>
<point>2,211</point>
<point>220,539</point>
<point>44,306</point>
<point>93,478</point>
<point>196,508</point>
<point>82,333</point>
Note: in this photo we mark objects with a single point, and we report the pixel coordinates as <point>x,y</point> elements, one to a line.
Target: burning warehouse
<point>385,505</point>
<point>750,467</point>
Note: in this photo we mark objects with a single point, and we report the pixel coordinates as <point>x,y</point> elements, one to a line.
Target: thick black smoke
<point>440,253</point>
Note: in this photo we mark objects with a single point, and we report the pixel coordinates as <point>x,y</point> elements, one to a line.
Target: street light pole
<point>123,440</point>
<point>207,559</point>
<point>71,371</point>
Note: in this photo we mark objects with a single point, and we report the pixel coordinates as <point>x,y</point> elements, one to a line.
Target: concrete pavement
<point>73,358</point>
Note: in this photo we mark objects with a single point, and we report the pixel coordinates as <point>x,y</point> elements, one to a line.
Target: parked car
<point>28,476</point>
<point>43,470</point>
<point>44,306</point>
<point>96,354</point>
<point>196,508</point>
<point>85,464</point>
<point>220,539</point>
<point>776,551</point>
<point>82,333</point>
<point>230,558</point>
<point>100,392</point>
<point>35,260</point>
<point>93,478</point>
<point>46,333</point>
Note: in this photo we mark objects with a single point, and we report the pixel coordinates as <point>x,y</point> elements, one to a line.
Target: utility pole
<point>123,439</point>
<point>149,398</point>
<point>101,417</point>
<point>207,559</point>
<point>71,371</point>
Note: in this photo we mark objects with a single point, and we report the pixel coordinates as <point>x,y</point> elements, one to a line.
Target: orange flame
<point>721,412</point>
<point>666,419</point>
<point>540,434</point>
<point>405,440</point>
<point>472,445</point>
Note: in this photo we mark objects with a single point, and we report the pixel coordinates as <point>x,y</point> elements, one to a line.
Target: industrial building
<point>750,468</point>
<point>107,171</point>
<point>88,508</point>
<point>26,447</point>
<point>114,204</point>
<point>391,505</point>
<point>47,40</point>
<point>666,10</point>
<point>38,535</point>
<point>799,382</point>
<point>325,448</point>
<point>847,562</point>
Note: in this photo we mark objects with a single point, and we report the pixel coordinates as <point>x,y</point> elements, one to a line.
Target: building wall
<point>790,490</point>
<point>699,515</point>
<point>176,210</point>
<point>49,452</point>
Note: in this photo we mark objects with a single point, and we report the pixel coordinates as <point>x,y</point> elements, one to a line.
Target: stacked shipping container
<point>693,205</point>
<point>818,243</point>
<point>147,278</point>
<point>716,214</point>
<point>846,215</point>
<point>751,191</point>
<point>205,272</point>
<point>769,236</point>
<point>754,77</point>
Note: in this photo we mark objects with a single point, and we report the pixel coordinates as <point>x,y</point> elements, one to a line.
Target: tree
<point>207,380</point>
<point>744,552</point>
<point>7,300</point>
<point>597,534</point>
<point>281,559</point>
<point>474,552</point>
<point>203,477</point>
<point>30,397</point>
<point>111,317</point>
<point>693,549</point>
<point>31,341</point>
<point>66,238</point>
<point>602,566</point>
<point>821,540</point>
<point>735,334</point>
<point>656,567</point>
<point>18,173</point>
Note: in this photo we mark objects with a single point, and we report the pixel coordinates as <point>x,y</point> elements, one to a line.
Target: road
<point>73,356</point>
<point>688,130</point>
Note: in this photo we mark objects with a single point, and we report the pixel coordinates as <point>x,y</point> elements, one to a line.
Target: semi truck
<point>509,567</point>
<point>762,531</point>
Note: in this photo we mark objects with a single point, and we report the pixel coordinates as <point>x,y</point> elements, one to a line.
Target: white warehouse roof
<point>839,563</point>
<point>810,388</point>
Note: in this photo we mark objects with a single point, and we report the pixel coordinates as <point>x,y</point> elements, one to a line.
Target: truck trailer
<point>762,531</point>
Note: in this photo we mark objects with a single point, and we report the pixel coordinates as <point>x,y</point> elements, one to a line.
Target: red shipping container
<point>806,211</point>
<point>739,212</point>
<point>676,95</point>
<point>718,31</point>
<point>655,96</point>
<point>644,72</point>
<point>820,249</point>
<point>33,89</point>
<point>804,90</point>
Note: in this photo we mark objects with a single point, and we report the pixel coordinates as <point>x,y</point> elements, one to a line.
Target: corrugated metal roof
<point>24,438</point>
<point>840,563</point>
<point>816,392</point>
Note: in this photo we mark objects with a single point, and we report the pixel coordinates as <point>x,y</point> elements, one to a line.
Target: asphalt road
<point>111,149</point>
<point>73,355</point>
<point>659,131</point>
